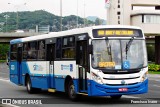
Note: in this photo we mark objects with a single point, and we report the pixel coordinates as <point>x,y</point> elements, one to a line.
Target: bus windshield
<point>117,55</point>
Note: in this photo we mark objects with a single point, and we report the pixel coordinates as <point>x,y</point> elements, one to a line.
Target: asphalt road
<point>58,99</point>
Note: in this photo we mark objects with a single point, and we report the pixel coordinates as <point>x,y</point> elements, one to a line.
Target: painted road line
<point>11,105</point>
<point>3,73</point>
<point>4,79</point>
<point>155,80</point>
<point>156,85</point>
<point>127,96</point>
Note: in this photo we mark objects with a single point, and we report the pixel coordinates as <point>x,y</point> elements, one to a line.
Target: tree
<point>4,48</point>
<point>29,20</point>
<point>98,21</point>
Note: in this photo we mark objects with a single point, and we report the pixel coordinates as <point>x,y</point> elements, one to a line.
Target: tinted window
<point>13,52</point>
<point>58,48</point>
<point>68,49</point>
<point>41,50</point>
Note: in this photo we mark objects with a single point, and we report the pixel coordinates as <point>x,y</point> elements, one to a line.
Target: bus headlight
<point>144,77</point>
<point>96,78</point>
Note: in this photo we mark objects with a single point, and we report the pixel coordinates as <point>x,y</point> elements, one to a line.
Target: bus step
<point>51,90</point>
<point>83,94</point>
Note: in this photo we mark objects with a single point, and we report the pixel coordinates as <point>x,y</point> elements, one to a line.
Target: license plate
<point>123,89</point>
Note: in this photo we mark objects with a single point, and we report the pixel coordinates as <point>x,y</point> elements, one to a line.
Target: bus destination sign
<point>117,33</point>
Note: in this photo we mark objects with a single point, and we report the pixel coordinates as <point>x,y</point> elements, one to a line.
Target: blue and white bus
<point>95,61</point>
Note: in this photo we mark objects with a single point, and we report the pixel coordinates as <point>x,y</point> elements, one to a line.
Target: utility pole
<point>61,15</point>
<point>84,14</point>
<point>6,17</point>
<point>17,15</point>
<point>77,13</point>
<point>17,26</point>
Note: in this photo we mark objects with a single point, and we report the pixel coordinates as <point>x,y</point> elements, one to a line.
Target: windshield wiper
<point>128,45</point>
<point>109,49</point>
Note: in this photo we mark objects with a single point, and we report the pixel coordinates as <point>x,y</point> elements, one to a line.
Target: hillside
<point>28,20</point>
<point>97,20</point>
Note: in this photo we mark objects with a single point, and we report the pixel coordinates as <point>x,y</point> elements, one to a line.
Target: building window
<point>142,18</point>
<point>157,7</point>
<point>119,22</point>
<point>154,19</point>
<point>118,6</point>
<point>118,13</point>
<point>118,17</point>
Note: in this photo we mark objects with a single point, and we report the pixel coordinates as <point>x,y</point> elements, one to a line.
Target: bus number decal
<point>106,64</point>
<point>37,67</point>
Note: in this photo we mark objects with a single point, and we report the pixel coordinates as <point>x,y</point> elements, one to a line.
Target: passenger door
<point>19,63</point>
<point>82,62</point>
<point>51,57</point>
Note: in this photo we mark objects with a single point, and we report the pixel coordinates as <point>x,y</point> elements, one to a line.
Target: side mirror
<point>90,49</point>
<point>7,58</point>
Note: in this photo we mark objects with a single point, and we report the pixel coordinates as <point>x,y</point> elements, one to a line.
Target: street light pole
<point>6,16</point>
<point>17,19</point>
<point>61,15</point>
<point>84,14</point>
<point>17,15</point>
<point>77,13</point>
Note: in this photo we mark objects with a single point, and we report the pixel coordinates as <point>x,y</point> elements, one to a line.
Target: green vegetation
<point>28,20</point>
<point>3,50</point>
<point>154,69</point>
<point>153,72</point>
<point>2,61</point>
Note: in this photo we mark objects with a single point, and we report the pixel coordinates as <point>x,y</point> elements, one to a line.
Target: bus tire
<point>116,97</point>
<point>71,91</point>
<point>29,86</point>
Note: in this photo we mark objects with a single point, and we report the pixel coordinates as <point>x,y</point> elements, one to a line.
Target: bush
<point>2,61</point>
<point>154,67</point>
<point>3,51</point>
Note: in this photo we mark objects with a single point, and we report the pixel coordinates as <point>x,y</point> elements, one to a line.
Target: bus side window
<point>68,48</point>
<point>13,52</point>
<point>41,50</point>
<point>58,48</point>
<point>25,49</point>
<point>32,50</point>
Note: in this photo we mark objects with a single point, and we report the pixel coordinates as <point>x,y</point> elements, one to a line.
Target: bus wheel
<point>116,97</point>
<point>29,86</point>
<point>71,91</point>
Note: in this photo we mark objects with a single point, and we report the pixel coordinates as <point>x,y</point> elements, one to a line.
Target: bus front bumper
<point>109,90</point>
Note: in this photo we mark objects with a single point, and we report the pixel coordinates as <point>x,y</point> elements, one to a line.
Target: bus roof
<point>69,32</point>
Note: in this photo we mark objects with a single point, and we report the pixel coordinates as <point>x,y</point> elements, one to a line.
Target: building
<point>142,13</point>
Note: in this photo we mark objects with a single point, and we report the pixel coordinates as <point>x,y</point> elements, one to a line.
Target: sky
<point>69,7</point>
